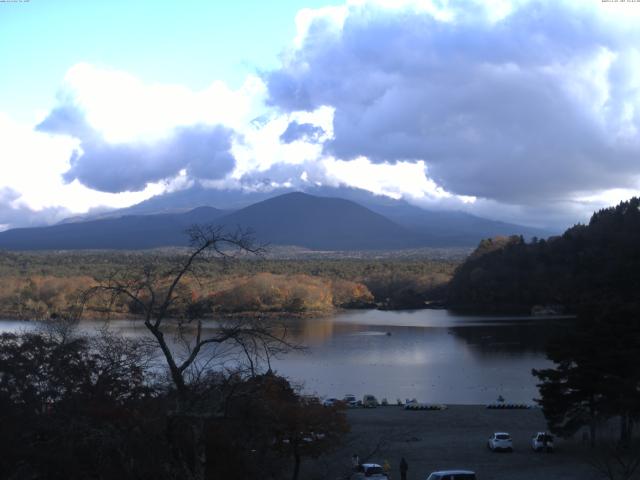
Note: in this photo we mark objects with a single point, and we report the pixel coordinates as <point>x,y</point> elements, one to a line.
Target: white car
<point>542,442</point>
<point>453,475</point>
<point>370,470</point>
<point>500,441</point>
<point>330,402</point>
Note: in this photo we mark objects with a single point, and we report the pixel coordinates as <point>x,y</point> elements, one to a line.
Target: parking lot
<point>455,438</point>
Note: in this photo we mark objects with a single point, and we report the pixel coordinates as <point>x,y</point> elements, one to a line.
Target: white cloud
<point>32,167</point>
<point>393,180</point>
<point>124,109</point>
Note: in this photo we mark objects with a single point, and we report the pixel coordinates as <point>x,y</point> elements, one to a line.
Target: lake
<point>431,355</point>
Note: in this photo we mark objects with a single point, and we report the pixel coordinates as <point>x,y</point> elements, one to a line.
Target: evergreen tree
<point>597,374</point>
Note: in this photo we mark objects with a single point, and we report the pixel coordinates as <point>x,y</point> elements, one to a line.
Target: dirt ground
<point>455,438</point>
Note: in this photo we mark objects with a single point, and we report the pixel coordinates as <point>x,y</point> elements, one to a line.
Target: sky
<point>523,111</point>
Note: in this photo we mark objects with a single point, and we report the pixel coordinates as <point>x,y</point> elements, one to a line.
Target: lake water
<point>430,355</point>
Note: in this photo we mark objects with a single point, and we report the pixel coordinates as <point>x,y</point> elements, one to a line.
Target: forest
<point>593,263</point>
<point>591,271</point>
<point>39,285</point>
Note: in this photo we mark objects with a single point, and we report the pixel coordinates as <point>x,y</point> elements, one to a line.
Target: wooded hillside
<point>588,263</point>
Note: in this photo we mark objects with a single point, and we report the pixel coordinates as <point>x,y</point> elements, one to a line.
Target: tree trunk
<point>187,443</point>
<point>626,426</point>
<point>296,464</point>
<point>199,448</point>
<point>176,374</point>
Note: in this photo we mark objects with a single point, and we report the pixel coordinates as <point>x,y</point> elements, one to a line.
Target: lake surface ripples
<point>431,355</point>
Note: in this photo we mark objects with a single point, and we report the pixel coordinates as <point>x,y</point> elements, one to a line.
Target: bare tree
<point>159,295</point>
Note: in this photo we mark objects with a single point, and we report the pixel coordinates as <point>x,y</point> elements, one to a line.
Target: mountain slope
<point>321,223</point>
<point>127,232</point>
<point>291,219</point>
<point>438,228</point>
<point>300,219</point>
<point>452,228</point>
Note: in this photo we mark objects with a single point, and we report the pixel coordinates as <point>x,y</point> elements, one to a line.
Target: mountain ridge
<point>294,218</point>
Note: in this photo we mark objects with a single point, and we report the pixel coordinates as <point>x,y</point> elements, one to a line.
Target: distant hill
<point>437,228</point>
<point>322,223</point>
<point>295,219</point>
<point>452,228</point>
<point>127,232</point>
<point>291,219</point>
<point>598,262</point>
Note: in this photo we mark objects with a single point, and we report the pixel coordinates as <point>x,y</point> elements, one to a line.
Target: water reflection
<point>431,355</point>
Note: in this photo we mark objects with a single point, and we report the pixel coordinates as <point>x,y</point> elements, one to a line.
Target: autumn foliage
<point>267,292</point>
<point>39,286</point>
<point>41,297</point>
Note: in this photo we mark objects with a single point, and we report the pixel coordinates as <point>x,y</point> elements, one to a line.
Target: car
<point>330,402</point>
<point>370,470</point>
<point>542,442</point>
<point>369,401</point>
<point>452,475</point>
<point>350,400</point>
<point>500,441</point>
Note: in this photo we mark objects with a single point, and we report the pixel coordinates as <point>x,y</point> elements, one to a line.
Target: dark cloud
<point>12,216</point>
<point>301,131</point>
<point>204,151</point>
<point>519,111</point>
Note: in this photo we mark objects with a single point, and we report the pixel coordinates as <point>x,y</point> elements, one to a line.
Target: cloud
<point>149,137</point>
<point>202,151</point>
<point>537,103</point>
<point>125,109</point>
<point>301,131</point>
<point>33,189</point>
<point>13,213</point>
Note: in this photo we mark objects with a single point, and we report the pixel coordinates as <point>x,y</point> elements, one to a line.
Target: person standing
<point>355,462</point>
<point>404,467</point>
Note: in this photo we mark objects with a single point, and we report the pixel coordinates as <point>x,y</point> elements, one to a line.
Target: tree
<point>597,375</point>
<point>159,296</point>
<point>162,299</point>
<point>68,409</point>
<point>571,393</point>
<point>267,426</point>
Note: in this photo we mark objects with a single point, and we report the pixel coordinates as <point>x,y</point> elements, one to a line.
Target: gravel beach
<point>453,438</point>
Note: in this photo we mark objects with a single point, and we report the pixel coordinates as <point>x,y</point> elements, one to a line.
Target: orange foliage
<point>39,297</point>
<point>290,293</point>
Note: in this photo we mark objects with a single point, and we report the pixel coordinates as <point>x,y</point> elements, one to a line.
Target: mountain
<point>452,228</point>
<point>126,232</point>
<point>290,219</point>
<point>300,219</point>
<point>322,223</point>
<point>437,227</point>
